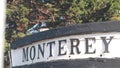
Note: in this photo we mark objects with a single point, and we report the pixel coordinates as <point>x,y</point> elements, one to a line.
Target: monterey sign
<point>66,47</point>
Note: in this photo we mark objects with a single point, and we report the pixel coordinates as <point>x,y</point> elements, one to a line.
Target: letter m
<point>25,54</point>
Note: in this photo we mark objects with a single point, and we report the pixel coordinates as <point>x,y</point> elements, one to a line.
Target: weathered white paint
<point>114,49</point>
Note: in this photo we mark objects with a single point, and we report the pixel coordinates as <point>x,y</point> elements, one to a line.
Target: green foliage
<point>16,14</point>
<point>24,20</point>
<point>115,10</point>
<point>74,11</point>
<point>6,48</point>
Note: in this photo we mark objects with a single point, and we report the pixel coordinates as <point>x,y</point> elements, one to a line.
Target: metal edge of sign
<point>107,26</point>
<point>77,63</point>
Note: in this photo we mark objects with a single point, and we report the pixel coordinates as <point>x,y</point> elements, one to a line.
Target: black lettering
<point>51,43</point>
<point>25,54</point>
<point>106,43</point>
<point>74,46</point>
<point>40,50</point>
<point>32,53</point>
<point>89,46</point>
<point>60,47</point>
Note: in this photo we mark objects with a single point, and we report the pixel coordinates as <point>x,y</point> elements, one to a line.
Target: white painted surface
<point>98,45</point>
<point>2,30</point>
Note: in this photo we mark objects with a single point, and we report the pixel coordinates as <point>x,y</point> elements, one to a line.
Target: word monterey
<point>71,47</point>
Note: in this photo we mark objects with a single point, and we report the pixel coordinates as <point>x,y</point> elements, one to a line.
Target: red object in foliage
<point>115,17</point>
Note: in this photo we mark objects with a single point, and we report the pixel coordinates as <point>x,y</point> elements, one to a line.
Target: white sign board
<point>99,45</point>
